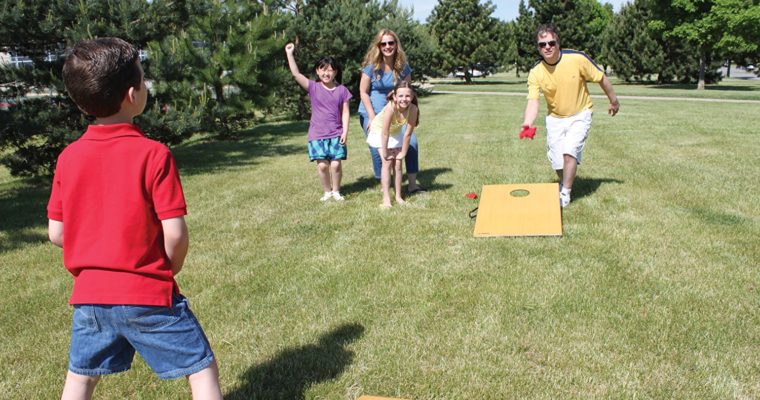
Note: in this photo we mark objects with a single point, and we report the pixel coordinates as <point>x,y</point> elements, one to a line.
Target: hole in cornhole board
<point>528,209</point>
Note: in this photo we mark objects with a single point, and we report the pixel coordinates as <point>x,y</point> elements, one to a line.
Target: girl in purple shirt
<point>328,127</point>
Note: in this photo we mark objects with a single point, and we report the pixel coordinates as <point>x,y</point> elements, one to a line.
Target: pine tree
<point>525,37</point>
<point>465,31</point>
<point>213,73</point>
<point>44,119</point>
<point>631,48</point>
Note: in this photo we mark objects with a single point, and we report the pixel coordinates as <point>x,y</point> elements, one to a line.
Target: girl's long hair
<point>405,85</point>
<point>375,57</point>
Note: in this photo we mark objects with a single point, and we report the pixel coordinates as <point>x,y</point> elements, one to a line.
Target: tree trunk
<point>701,83</point>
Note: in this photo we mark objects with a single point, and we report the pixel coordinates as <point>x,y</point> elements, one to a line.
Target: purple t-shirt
<point>326,110</point>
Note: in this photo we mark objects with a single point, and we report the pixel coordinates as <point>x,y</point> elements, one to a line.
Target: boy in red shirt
<point>125,238</point>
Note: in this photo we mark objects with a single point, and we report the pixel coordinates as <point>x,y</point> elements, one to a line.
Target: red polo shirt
<point>111,189</point>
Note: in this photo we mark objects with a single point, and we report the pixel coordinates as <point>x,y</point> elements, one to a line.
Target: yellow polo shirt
<point>564,83</point>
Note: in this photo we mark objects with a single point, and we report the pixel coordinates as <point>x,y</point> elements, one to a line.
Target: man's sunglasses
<point>389,43</point>
<point>550,43</point>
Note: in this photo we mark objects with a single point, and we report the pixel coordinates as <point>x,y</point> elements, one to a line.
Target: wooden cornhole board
<point>530,209</point>
<point>377,398</point>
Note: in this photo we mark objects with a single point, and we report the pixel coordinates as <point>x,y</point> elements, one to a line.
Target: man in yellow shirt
<point>561,76</point>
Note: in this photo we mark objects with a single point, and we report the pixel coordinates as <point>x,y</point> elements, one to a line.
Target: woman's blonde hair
<point>402,84</point>
<point>375,56</point>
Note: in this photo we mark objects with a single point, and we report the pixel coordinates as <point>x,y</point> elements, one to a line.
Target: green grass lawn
<point>728,88</point>
<point>652,292</point>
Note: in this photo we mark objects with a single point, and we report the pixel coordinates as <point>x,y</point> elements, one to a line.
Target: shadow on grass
<point>21,209</point>
<point>23,206</point>
<point>292,371</point>
<point>210,154</point>
<point>425,177</point>
<point>583,187</point>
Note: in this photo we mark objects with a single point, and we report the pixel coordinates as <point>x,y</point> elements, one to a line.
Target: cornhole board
<point>528,209</point>
<point>377,398</point>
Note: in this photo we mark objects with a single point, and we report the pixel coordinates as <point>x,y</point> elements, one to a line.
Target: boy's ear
<point>131,95</point>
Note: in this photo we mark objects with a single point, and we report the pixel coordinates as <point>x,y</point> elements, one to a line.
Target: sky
<point>506,10</point>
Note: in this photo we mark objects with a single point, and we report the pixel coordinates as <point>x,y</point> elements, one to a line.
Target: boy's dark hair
<point>332,63</point>
<point>98,73</point>
<point>547,28</point>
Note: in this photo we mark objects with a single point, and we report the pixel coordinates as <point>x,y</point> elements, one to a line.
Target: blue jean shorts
<point>327,149</point>
<point>104,339</point>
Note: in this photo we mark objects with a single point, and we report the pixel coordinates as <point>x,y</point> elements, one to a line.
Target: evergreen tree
<point>215,72</point>
<point>465,31</point>
<point>44,119</point>
<point>581,23</point>
<point>506,45</point>
<point>630,47</point>
<point>525,37</point>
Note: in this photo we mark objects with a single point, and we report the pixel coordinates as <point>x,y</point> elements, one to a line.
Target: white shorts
<point>566,136</point>
<point>375,140</point>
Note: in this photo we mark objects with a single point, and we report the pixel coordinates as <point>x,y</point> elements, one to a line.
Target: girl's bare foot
<point>399,200</point>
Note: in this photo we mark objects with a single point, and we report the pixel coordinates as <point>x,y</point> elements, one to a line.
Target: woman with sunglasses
<point>561,76</point>
<point>385,65</point>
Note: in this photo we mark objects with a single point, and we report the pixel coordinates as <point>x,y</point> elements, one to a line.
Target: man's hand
<point>614,108</point>
<point>527,132</point>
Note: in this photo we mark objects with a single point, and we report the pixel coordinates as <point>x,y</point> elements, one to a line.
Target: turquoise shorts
<point>327,149</point>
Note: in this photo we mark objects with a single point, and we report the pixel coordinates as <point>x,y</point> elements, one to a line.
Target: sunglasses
<point>389,43</point>
<point>550,43</point>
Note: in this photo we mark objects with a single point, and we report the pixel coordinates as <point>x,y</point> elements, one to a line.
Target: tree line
<point>218,65</point>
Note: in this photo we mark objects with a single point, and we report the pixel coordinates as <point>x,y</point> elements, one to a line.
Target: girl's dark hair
<point>332,63</point>
<point>99,72</point>
<point>404,84</point>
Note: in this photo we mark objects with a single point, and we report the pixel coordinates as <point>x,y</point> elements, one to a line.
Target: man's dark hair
<point>99,72</point>
<point>547,28</point>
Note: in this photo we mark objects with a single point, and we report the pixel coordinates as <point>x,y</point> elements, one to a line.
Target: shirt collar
<point>104,132</point>
<point>558,60</point>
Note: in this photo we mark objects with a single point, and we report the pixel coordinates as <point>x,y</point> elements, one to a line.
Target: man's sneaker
<point>326,196</point>
<point>564,199</point>
<point>337,196</point>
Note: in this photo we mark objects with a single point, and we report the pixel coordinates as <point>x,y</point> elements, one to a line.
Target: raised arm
<point>302,80</point>
<point>176,241</point>
<point>610,92</point>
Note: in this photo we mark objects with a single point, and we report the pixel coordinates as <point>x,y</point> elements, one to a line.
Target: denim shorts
<point>170,339</point>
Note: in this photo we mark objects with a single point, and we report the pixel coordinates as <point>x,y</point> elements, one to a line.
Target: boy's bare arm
<point>55,232</point>
<point>176,241</point>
